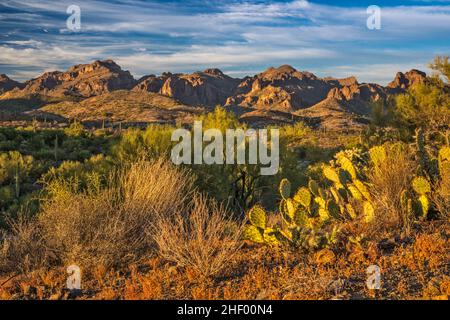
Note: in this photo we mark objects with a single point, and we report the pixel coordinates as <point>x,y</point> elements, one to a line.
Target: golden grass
<point>102,226</point>
<point>204,239</point>
<point>387,180</point>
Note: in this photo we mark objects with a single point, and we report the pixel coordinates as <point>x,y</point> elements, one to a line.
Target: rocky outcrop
<point>151,83</point>
<point>208,88</point>
<point>366,92</point>
<point>404,81</point>
<point>79,81</point>
<point>7,84</point>
<point>341,82</point>
<point>284,89</point>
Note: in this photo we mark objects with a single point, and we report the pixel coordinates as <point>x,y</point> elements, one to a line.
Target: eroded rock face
<point>83,81</point>
<point>404,81</point>
<point>283,89</point>
<point>366,92</point>
<point>7,84</point>
<point>151,83</point>
<point>208,88</point>
<point>341,82</point>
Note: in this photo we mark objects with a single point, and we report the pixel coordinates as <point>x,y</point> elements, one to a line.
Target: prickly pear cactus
<point>257,231</point>
<point>285,188</point>
<point>347,190</point>
<point>444,169</point>
<point>422,187</point>
<point>301,216</point>
<point>303,197</point>
<point>257,217</point>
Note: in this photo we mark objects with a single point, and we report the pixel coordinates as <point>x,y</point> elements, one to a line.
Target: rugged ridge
<point>207,88</point>
<point>368,92</point>
<point>280,94</point>
<point>403,81</point>
<point>80,81</point>
<point>7,84</point>
<point>283,89</point>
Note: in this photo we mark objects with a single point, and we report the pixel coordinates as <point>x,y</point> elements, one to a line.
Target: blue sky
<point>328,38</point>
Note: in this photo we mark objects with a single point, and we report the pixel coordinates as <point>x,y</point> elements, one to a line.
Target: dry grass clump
<point>388,179</point>
<point>109,227</point>
<point>203,239</point>
<point>23,248</point>
<point>104,225</point>
<point>441,198</point>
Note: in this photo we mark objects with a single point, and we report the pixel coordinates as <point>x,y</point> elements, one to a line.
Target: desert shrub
<point>204,238</point>
<point>134,143</point>
<point>294,133</point>
<point>426,105</point>
<point>157,140</point>
<point>388,178</point>
<point>109,225</point>
<point>13,164</point>
<point>76,129</point>
<point>22,248</point>
<point>98,167</point>
<point>220,119</point>
<point>103,225</point>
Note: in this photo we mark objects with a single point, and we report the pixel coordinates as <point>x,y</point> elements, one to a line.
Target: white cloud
<point>230,56</point>
<point>236,35</point>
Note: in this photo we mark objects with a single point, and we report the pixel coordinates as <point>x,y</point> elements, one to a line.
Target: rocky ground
<point>414,267</point>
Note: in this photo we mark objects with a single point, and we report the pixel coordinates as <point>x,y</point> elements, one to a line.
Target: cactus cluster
<point>292,234</point>
<point>310,208</point>
<point>348,192</point>
<point>306,211</point>
<point>419,203</point>
<point>314,205</point>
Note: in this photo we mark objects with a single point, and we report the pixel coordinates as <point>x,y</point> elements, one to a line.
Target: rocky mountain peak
<point>83,80</point>
<point>207,88</point>
<point>7,84</point>
<point>283,88</point>
<point>403,81</point>
<point>214,72</point>
<point>280,73</point>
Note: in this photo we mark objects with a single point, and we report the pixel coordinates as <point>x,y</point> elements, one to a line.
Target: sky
<point>328,38</point>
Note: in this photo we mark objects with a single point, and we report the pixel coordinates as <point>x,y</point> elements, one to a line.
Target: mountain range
<point>90,92</point>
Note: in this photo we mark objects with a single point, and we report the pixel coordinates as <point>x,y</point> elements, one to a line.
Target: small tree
<point>442,66</point>
<point>427,105</point>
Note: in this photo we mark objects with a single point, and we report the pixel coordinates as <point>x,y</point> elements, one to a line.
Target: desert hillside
<point>88,92</point>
